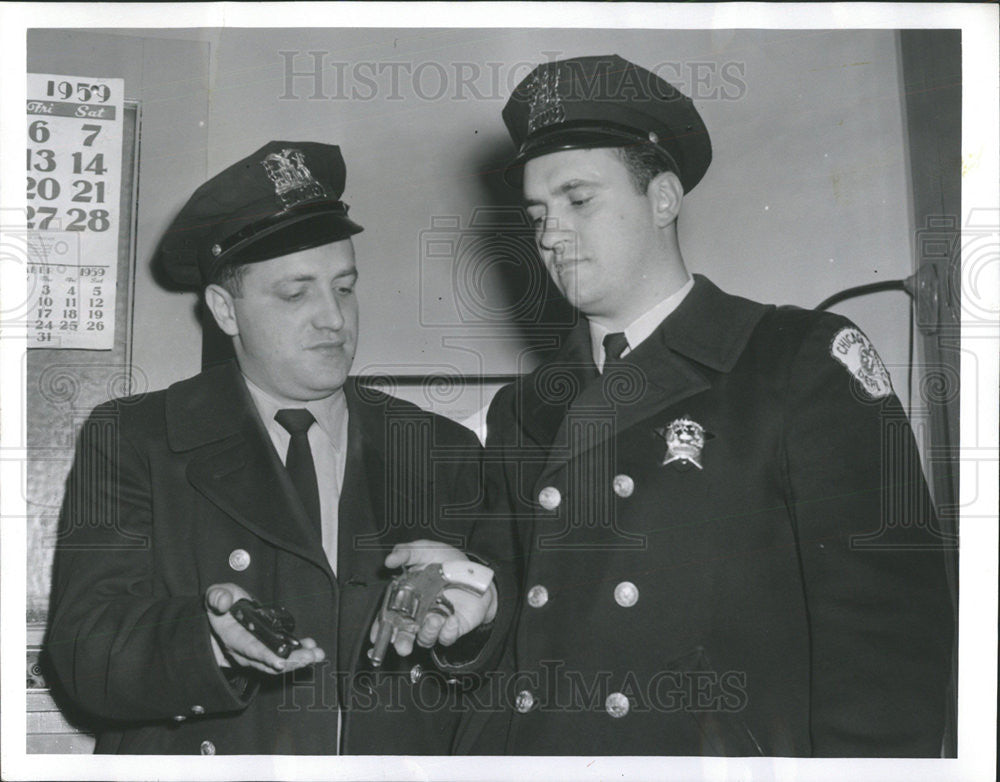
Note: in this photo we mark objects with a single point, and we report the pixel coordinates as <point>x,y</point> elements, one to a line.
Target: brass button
<point>416,674</point>
<point>207,748</point>
<point>616,705</point>
<point>538,596</point>
<point>197,709</point>
<point>239,559</point>
<point>216,250</point>
<point>626,594</point>
<point>525,701</point>
<point>549,498</point>
<point>623,485</point>
<point>179,718</point>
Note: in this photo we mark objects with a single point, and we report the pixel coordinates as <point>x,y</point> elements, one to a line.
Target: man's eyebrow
<point>573,184</point>
<point>566,187</point>
<point>304,277</point>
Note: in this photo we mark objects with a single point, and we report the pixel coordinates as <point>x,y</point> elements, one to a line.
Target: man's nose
<point>554,236</point>
<point>328,314</point>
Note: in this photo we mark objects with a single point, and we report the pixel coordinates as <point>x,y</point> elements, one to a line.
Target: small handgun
<point>417,592</point>
<point>273,627</point>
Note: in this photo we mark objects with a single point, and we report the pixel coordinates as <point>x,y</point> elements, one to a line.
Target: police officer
<point>725,542</point>
<point>273,477</point>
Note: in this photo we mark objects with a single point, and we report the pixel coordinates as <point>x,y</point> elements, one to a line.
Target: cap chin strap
<point>232,241</point>
<point>565,137</point>
<point>241,245</point>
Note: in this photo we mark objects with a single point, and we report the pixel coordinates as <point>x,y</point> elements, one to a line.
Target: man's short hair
<point>644,163</point>
<point>230,276</point>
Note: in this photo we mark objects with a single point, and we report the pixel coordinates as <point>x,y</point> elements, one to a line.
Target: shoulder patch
<point>856,352</point>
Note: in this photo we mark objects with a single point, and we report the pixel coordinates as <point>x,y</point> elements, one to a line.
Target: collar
<point>216,404</point>
<point>708,330</point>
<point>642,327</point>
<point>710,327</point>
<point>329,412</point>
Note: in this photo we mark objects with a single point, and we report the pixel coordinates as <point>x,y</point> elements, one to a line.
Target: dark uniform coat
<point>779,590</point>
<point>179,489</point>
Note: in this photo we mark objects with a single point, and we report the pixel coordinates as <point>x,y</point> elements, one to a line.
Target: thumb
<point>399,556</point>
<point>421,552</point>
<point>219,599</point>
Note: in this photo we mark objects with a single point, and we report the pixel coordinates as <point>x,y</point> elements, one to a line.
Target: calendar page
<point>74,160</point>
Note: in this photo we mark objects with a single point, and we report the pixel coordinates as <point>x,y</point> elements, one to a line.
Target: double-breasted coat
<point>725,546</point>
<point>179,489</point>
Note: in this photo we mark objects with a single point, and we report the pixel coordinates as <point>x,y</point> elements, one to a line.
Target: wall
<point>807,193</point>
<point>168,80</point>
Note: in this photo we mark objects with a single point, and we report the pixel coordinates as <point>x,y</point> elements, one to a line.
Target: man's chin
<point>324,381</point>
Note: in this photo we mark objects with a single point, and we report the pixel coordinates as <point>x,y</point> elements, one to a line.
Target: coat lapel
<point>362,502</point>
<point>545,396</point>
<point>233,462</point>
<point>705,335</point>
<point>363,525</point>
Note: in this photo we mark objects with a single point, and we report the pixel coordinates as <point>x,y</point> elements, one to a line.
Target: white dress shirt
<point>639,329</point>
<point>328,443</point>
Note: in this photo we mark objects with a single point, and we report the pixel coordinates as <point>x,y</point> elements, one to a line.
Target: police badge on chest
<point>685,440</point>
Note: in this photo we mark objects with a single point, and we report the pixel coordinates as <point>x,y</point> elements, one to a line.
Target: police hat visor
<point>581,135</point>
<point>306,227</point>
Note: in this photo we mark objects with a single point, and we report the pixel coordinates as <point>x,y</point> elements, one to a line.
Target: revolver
<point>419,591</point>
<point>273,627</point>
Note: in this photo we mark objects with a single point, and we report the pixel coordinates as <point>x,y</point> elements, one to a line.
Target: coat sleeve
<point>490,540</point>
<point>871,553</point>
<point>121,650</point>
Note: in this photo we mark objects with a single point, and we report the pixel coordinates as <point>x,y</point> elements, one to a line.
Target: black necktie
<point>299,461</point>
<point>614,345</point>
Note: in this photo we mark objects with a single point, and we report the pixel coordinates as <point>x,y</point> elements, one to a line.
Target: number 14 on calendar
<point>74,159</point>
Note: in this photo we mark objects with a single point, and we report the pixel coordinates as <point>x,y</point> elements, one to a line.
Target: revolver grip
<point>470,576</point>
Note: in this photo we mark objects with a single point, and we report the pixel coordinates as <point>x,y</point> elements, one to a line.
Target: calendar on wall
<point>74,173</point>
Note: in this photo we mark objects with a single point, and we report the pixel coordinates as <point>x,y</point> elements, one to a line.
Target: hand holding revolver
<point>465,598</point>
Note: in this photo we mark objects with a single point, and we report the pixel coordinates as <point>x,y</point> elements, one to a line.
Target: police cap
<point>283,198</point>
<point>605,101</point>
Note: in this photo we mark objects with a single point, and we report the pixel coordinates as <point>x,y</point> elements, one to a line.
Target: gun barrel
<point>377,653</point>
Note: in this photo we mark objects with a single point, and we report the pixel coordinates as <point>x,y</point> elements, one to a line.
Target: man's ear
<point>220,303</point>
<point>665,194</point>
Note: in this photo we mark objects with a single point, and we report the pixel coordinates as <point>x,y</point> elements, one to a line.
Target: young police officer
<point>273,477</point>
<point>727,545</point>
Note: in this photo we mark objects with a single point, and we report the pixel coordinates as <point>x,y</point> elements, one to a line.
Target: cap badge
<point>855,351</point>
<point>294,184</point>
<point>545,107</point>
<point>685,440</point>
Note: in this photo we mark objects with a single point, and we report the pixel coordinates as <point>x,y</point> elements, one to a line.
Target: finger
<point>236,639</point>
<point>399,556</point>
<point>305,656</point>
<point>430,629</point>
<point>374,631</point>
<point>421,552</point>
<point>257,665</point>
<point>307,643</point>
<point>450,631</point>
<point>403,643</point>
<point>219,599</point>
<point>257,650</point>
<point>492,605</point>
